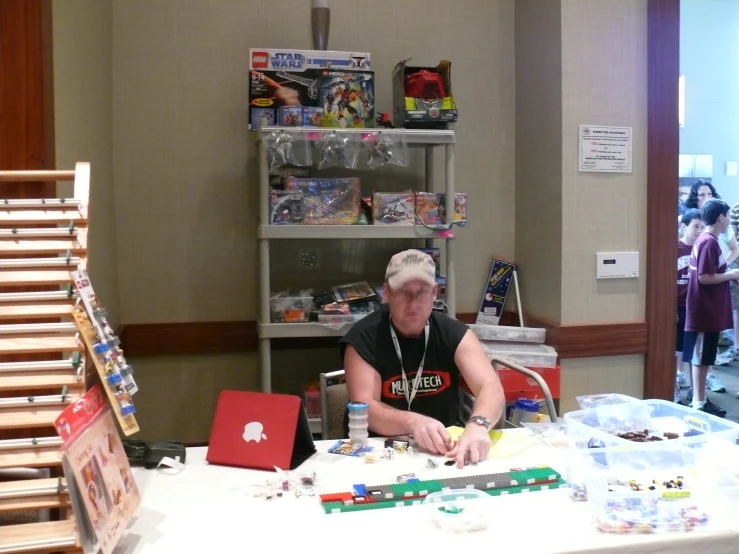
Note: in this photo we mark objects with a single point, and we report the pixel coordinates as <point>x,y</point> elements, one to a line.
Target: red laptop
<point>260,431</point>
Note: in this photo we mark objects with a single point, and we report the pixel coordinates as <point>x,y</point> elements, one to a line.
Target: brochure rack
<point>44,357</point>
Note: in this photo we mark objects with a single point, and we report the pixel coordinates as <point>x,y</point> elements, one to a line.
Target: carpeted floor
<point>729,376</point>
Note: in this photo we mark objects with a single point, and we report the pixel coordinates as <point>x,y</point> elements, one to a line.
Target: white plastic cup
<point>358,422</point>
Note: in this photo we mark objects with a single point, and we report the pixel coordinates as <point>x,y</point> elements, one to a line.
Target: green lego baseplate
<point>413,492</point>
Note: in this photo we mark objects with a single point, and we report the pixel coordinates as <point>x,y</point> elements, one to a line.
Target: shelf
<point>299,330</point>
<point>46,536</point>
<point>349,232</point>
<point>33,494</point>
<point>32,416</point>
<point>31,456</point>
<point>43,310</point>
<point>19,380</point>
<point>412,136</point>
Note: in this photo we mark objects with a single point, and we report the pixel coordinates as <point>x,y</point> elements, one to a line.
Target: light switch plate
<point>617,265</point>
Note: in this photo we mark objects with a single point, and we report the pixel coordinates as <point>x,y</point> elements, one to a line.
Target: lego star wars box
<point>347,98</point>
<point>290,78</point>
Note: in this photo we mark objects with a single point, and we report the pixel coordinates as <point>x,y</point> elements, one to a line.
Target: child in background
<point>708,306</point>
<point>691,227</point>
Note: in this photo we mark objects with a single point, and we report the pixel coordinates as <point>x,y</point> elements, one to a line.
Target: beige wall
<point>604,82</point>
<point>174,164</point>
<point>83,127</point>
<point>580,62</point>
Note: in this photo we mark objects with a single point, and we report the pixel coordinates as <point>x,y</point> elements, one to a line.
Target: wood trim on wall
<point>663,146</point>
<point>173,339</point>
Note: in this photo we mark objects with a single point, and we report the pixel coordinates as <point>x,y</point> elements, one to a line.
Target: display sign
<point>605,149</point>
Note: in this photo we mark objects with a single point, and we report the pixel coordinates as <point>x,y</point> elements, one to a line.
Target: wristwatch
<point>481,420</point>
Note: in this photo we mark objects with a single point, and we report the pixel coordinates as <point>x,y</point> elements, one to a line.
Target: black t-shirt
<point>437,394</point>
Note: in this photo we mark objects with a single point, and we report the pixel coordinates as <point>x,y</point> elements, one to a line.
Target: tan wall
<point>604,82</point>
<point>183,192</point>
<point>84,127</point>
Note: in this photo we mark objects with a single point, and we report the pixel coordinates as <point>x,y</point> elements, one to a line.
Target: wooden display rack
<point>43,359</point>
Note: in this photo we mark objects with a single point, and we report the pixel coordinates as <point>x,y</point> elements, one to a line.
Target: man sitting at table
<point>405,361</point>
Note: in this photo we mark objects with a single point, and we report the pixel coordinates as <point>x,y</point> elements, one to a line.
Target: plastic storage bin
<point>663,488</point>
<point>459,510</point>
<point>597,428</point>
<point>597,400</point>
<point>512,334</point>
<point>527,355</point>
<point>291,309</point>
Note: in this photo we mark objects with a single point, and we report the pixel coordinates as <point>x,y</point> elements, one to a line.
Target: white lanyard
<point>410,395</point>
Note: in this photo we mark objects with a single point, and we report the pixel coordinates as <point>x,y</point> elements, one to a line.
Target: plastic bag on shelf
<point>339,150</point>
<point>386,148</point>
<point>287,147</point>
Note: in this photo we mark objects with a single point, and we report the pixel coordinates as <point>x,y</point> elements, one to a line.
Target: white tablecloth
<point>209,508</point>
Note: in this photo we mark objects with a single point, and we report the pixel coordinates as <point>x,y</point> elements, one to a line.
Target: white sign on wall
<point>605,149</point>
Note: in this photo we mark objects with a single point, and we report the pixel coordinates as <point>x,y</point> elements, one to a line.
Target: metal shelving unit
<point>429,141</point>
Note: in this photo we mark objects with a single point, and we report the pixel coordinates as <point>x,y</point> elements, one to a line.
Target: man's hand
<point>430,434</point>
<point>473,444</point>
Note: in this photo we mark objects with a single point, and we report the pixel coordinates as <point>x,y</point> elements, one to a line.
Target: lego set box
<point>291,79</point>
<point>422,96</point>
<point>347,98</point>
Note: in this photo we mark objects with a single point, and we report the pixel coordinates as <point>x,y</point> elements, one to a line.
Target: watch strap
<point>481,420</point>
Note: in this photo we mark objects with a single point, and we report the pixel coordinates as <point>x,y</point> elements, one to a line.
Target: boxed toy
<point>290,78</point>
<point>431,208</point>
<point>347,98</point>
<point>392,208</point>
<point>422,96</point>
<point>97,469</point>
<point>297,116</point>
<point>328,201</point>
<point>497,287</point>
<point>278,177</point>
<point>435,254</point>
<point>285,207</point>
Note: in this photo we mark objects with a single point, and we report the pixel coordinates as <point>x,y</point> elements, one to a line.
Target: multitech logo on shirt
<point>432,382</point>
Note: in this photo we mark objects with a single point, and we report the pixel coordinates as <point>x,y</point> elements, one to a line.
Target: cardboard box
<point>517,385</point>
<point>429,110</point>
<point>347,98</point>
<point>496,292</point>
<point>290,78</point>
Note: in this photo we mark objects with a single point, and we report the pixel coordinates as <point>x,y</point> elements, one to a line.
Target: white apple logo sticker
<point>254,431</point>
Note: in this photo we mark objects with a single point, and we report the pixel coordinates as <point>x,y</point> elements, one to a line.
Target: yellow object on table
<point>503,445</point>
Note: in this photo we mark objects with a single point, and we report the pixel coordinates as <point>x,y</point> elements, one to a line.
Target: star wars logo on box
<point>289,78</point>
<point>432,382</point>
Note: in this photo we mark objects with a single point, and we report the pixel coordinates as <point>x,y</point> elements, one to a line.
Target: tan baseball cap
<point>410,265</point>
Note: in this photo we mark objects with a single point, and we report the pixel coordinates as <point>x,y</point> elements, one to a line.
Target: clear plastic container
<point>673,423</point>
<point>291,309</point>
<point>527,355</point>
<point>459,510</point>
<point>358,422</point>
<point>512,334</point>
<point>646,490</point>
<point>597,400</point>
<point>525,411</point>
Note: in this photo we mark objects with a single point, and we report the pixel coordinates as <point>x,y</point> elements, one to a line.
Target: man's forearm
<point>489,402</point>
<point>388,421</point>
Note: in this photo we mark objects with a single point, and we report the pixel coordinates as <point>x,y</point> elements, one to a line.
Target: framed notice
<point>605,149</point>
